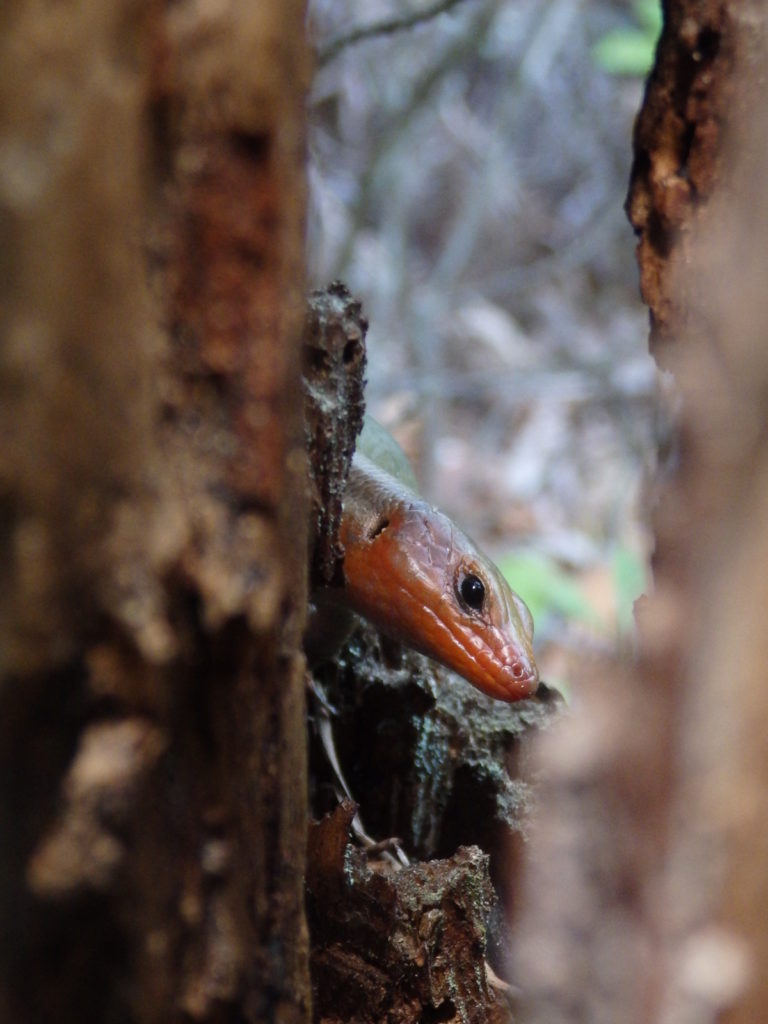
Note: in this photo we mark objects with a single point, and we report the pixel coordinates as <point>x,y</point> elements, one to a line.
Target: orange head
<point>416,576</point>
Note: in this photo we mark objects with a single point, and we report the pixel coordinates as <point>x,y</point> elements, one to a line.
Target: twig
<point>386,138</point>
<point>384,27</point>
<point>511,993</point>
<point>325,732</point>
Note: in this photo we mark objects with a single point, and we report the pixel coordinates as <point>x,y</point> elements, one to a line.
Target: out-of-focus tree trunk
<point>647,891</point>
<point>152,741</point>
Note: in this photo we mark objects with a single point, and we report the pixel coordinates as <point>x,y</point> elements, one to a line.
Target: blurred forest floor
<point>467,182</point>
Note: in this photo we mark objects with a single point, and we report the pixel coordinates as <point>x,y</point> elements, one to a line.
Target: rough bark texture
<point>428,758</point>
<point>401,946</point>
<point>646,895</point>
<point>153,527</point>
<point>678,147</point>
<point>334,365</point>
<point>439,763</point>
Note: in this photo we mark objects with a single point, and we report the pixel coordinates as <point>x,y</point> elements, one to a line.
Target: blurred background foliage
<point>467,180</point>
<point>629,51</point>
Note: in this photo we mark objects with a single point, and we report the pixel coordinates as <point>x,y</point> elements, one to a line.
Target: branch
<point>384,27</point>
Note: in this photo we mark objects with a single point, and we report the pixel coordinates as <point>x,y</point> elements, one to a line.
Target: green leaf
<point>649,15</point>
<point>624,52</point>
<point>546,588</point>
<point>630,51</point>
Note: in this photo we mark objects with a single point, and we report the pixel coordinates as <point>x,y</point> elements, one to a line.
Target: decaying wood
<point>334,368</point>
<point>434,762</point>
<point>153,527</point>
<point>646,888</point>
<point>401,946</point>
<point>678,147</point>
<point>428,759</point>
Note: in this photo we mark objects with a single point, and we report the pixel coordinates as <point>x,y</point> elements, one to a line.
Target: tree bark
<point>152,741</point>
<point>647,893</point>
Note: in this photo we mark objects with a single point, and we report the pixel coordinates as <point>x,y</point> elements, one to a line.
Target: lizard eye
<point>471,591</point>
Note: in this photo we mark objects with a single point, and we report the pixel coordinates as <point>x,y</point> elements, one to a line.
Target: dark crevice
<point>641,164</point>
<point>352,351</point>
<point>435,1014</point>
<point>252,145</point>
<point>708,44</point>
<point>686,145</point>
<point>315,359</point>
<point>659,235</point>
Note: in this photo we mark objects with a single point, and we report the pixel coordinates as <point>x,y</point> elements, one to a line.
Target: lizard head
<point>421,580</point>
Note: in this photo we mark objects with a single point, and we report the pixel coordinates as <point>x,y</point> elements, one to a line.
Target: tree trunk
<point>647,883</point>
<point>152,740</point>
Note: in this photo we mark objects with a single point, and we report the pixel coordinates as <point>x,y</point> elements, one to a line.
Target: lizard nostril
<point>517,670</point>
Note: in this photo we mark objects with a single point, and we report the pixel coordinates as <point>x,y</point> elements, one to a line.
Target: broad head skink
<point>417,577</point>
